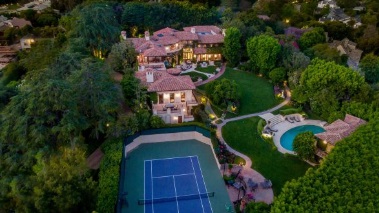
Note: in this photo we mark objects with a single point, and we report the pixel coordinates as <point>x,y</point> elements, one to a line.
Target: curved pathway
<point>222,70</point>
<point>268,198</point>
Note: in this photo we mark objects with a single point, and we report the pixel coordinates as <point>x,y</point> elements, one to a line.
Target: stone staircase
<point>275,120</point>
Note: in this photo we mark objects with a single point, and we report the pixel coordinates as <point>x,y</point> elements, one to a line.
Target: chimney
<point>193,30</point>
<point>149,77</point>
<point>224,32</point>
<point>147,35</point>
<point>123,35</point>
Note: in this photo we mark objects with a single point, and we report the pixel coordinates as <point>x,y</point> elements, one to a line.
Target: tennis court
<point>175,185</point>
<point>180,176</point>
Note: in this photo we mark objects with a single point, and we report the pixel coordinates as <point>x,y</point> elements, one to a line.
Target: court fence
<point>122,194</point>
<point>170,199</point>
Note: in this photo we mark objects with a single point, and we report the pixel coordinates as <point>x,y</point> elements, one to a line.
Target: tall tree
<point>232,46</point>
<point>370,67</point>
<point>324,86</point>
<point>311,38</point>
<point>304,145</point>
<point>122,56</point>
<point>62,182</point>
<point>101,34</point>
<point>263,52</point>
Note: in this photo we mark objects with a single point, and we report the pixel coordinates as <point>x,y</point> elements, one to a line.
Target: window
<point>172,97</point>
<point>160,98</point>
<point>183,96</point>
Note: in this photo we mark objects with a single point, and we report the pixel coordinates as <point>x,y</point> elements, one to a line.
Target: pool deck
<point>285,126</point>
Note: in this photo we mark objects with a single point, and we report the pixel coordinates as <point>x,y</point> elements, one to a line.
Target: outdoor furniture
<point>237,185</point>
<point>289,119</point>
<point>266,184</point>
<point>296,118</point>
<point>253,185</point>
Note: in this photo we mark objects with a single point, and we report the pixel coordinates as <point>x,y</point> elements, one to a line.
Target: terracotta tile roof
<point>20,22</point>
<point>174,71</point>
<point>211,39</point>
<point>166,82</point>
<point>186,36</point>
<point>199,50</point>
<point>155,52</point>
<point>204,29</point>
<point>165,39</point>
<point>339,129</point>
<point>166,30</point>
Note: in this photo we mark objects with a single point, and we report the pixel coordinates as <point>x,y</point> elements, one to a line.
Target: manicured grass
<point>256,93</point>
<point>208,69</point>
<point>195,75</point>
<point>242,135</point>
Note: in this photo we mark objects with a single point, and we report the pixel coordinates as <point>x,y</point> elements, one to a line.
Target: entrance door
<point>180,119</point>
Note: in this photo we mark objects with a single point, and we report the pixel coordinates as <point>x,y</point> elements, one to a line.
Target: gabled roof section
<point>211,39</point>
<point>204,29</point>
<point>339,129</point>
<point>186,36</point>
<point>165,82</point>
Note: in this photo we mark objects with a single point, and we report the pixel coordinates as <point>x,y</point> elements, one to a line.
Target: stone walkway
<point>222,70</point>
<point>268,196</point>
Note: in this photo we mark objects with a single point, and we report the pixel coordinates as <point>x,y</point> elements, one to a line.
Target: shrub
<point>109,176</point>
<point>261,124</point>
<point>290,111</point>
<point>156,121</point>
<point>304,145</point>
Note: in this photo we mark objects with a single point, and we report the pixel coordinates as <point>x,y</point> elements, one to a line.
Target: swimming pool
<point>287,138</point>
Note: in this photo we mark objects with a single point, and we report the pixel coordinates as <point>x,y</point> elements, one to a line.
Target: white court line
<point>144,187</point>
<point>194,174</point>
<point>176,195</point>
<point>158,159</point>
<point>205,185</point>
<point>173,175</point>
<point>152,187</point>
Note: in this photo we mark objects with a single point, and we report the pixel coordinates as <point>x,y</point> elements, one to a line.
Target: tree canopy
<point>370,67</point>
<point>311,38</point>
<point>232,46</point>
<point>304,145</point>
<point>222,91</point>
<point>324,86</point>
<point>263,51</point>
<point>346,180</point>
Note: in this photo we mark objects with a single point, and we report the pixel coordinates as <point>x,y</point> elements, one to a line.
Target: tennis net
<point>170,199</point>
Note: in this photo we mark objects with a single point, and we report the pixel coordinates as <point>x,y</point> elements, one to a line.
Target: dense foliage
<point>263,51</point>
<point>232,46</point>
<point>220,92</point>
<point>370,67</point>
<point>311,38</point>
<point>138,17</point>
<point>109,175</point>
<point>304,145</point>
<point>346,181</point>
<point>324,86</point>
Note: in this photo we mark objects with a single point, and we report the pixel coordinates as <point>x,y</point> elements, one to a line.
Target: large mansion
<point>170,47</point>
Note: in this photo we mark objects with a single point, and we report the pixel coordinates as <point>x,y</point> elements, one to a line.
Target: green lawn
<point>256,93</point>
<point>242,135</point>
<point>195,75</point>
<point>208,69</point>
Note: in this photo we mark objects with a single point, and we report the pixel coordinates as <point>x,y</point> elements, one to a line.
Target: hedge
<point>290,111</point>
<point>109,175</point>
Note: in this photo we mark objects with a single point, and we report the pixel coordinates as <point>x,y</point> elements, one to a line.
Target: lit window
<point>183,96</point>
<point>172,97</point>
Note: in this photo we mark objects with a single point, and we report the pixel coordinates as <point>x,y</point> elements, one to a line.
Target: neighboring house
<point>325,3</point>
<point>263,17</point>
<point>37,5</point>
<point>7,55</point>
<point>337,131</point>
<point>26,42</point>
<point>174,93</point>
<point>18,22</point>
<point>170,46</point>
<point>348,48</point>
<point>337,14</point>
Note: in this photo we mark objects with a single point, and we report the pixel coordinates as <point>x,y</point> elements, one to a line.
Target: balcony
<point>156,66</point>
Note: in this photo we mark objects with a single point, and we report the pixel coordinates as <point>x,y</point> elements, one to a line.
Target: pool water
<point>287,138</point>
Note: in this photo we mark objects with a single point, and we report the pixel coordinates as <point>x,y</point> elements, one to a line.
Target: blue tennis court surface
<point>175,185</point>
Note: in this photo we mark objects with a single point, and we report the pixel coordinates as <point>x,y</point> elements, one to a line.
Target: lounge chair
<point>296,118</point>
<point>289,119</point>
<point>253,185</point>
<point>272,130</point>
<point>266,184</point>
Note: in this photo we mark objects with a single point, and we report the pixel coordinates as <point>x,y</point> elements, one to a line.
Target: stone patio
<point>260,194</point>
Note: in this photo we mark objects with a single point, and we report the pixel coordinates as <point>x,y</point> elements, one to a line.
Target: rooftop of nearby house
<point>349,47</point>
<point>19,22</point>
<point>163,81</point>
<point>339,129</point>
